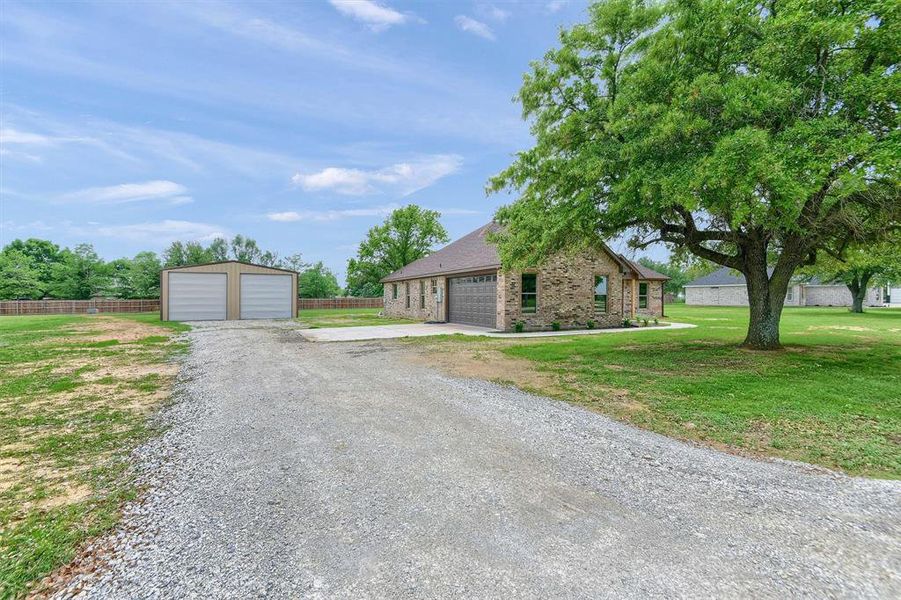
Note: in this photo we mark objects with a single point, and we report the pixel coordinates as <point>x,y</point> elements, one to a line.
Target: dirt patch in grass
<point>74,401</point>
<point>107,329</point>
<point>485,363</point>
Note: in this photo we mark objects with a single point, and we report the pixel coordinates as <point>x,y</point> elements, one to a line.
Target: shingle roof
<point>472,252</point>
<point>643,271</point>
<point>722,276</point>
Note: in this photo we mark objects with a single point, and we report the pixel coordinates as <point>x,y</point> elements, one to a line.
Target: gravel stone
<point>300,469</point>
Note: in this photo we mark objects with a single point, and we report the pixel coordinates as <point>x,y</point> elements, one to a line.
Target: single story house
<point>464,283</point>
<point>726,287</point>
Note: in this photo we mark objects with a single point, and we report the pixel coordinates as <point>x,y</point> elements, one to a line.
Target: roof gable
<point>472,252</point>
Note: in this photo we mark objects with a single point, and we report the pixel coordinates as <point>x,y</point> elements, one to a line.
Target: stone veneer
<point>565,294</point>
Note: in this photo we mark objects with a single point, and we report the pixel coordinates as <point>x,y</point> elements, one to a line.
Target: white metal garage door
<point>266,296</point>
<point>197,296</point>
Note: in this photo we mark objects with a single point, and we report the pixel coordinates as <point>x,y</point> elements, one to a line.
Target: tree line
<point>33,269</point>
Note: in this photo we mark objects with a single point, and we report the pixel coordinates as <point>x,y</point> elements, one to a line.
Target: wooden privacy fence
<point>75,307</point>
<point>348,302</point>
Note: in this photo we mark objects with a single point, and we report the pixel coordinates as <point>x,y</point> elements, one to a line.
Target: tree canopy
<point>34,268</point>
<point>408,234</point>
<point>752,134</point>
<point>862,267</point>
<point>317,281</point>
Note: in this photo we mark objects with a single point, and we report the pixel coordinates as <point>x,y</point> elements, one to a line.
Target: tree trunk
<point>766,297</point>
<point>858,287</point>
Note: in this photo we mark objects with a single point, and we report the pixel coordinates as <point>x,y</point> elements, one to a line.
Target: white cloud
<point>490,11</point>
<point>291,216</point>
<point>377,16</point>
<point>160,232</point>
<point>406,177</point>
<point>555,5</point>
<point>14,136</point>
<point>331,215</point>
<point>169,191</point>
<point>470,25</point>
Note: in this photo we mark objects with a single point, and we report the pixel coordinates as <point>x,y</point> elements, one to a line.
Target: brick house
<point>464,283</point>
<point>726,287</point>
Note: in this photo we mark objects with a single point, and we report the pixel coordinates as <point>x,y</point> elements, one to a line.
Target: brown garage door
<point>472,300</point>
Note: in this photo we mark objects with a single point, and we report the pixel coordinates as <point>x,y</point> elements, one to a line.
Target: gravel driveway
<point>300,469</point>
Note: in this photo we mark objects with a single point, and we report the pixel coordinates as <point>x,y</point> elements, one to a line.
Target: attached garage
<point>227,290</point>
<point>472,300</point>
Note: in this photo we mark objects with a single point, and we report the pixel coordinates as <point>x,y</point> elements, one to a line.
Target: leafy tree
<point>862,267</point>
<point>80,275</point>
<point>20,276</point>
<point>138,277</point>
<point>245,249</point>
<point>678,277</point>
<point>409,233</point>
<point>218,250</point>
<point>174,255</point>
<point>318,282</point>
<point>44,254</point>
<point>196,254</point>
<point>745,132</point>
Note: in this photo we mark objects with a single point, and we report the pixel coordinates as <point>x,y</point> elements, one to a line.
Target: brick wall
<point>433,311</point>
<point>565,293</point>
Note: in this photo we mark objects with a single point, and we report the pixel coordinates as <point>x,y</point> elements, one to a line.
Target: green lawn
<point>832,397</point>
<point>346,317</point>
<point>75,393</point>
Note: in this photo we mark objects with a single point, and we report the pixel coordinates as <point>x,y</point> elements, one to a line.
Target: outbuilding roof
<point>225,262</point>
<point>473,252</point>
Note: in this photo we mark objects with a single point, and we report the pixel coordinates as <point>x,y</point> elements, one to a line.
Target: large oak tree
<point>752,134</point>
<point>408,234</point>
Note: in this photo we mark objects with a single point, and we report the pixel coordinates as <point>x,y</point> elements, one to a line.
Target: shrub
<point>644,322</point>
<point>590,324</point>
<point>627,323</point>
<point>519,326</point>
<point>555,325</point>
<point>656,321</point>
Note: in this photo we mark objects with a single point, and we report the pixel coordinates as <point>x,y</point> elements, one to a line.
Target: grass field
<point>75,393</point>
<point>346,317</point>
<point>832,397</point>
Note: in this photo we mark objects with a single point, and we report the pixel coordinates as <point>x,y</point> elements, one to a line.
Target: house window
<point>790,294</point>
<point>407,293</point>
<point>434,284</point>
<point>422,294</point>
<point>642,295</point>
<point>600,293</point>
<point>394,291</point>
<point>529,301</point>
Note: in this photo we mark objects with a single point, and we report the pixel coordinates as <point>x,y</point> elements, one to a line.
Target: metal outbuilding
<point>227,290</point>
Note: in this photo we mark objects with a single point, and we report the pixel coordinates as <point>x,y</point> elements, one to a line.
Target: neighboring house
<point>464,283</point>
<point>726,287</point>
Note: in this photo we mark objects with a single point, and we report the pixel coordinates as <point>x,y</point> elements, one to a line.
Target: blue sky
<point>300,124</point>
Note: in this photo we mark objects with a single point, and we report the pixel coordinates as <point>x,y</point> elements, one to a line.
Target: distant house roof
<point>727,276</point>
<point>722,276</point>
<point>473,252</point>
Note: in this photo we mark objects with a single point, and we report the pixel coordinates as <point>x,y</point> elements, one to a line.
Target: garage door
<point>473,300</point>
<point>197,296</point>
<point>266,296</point>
